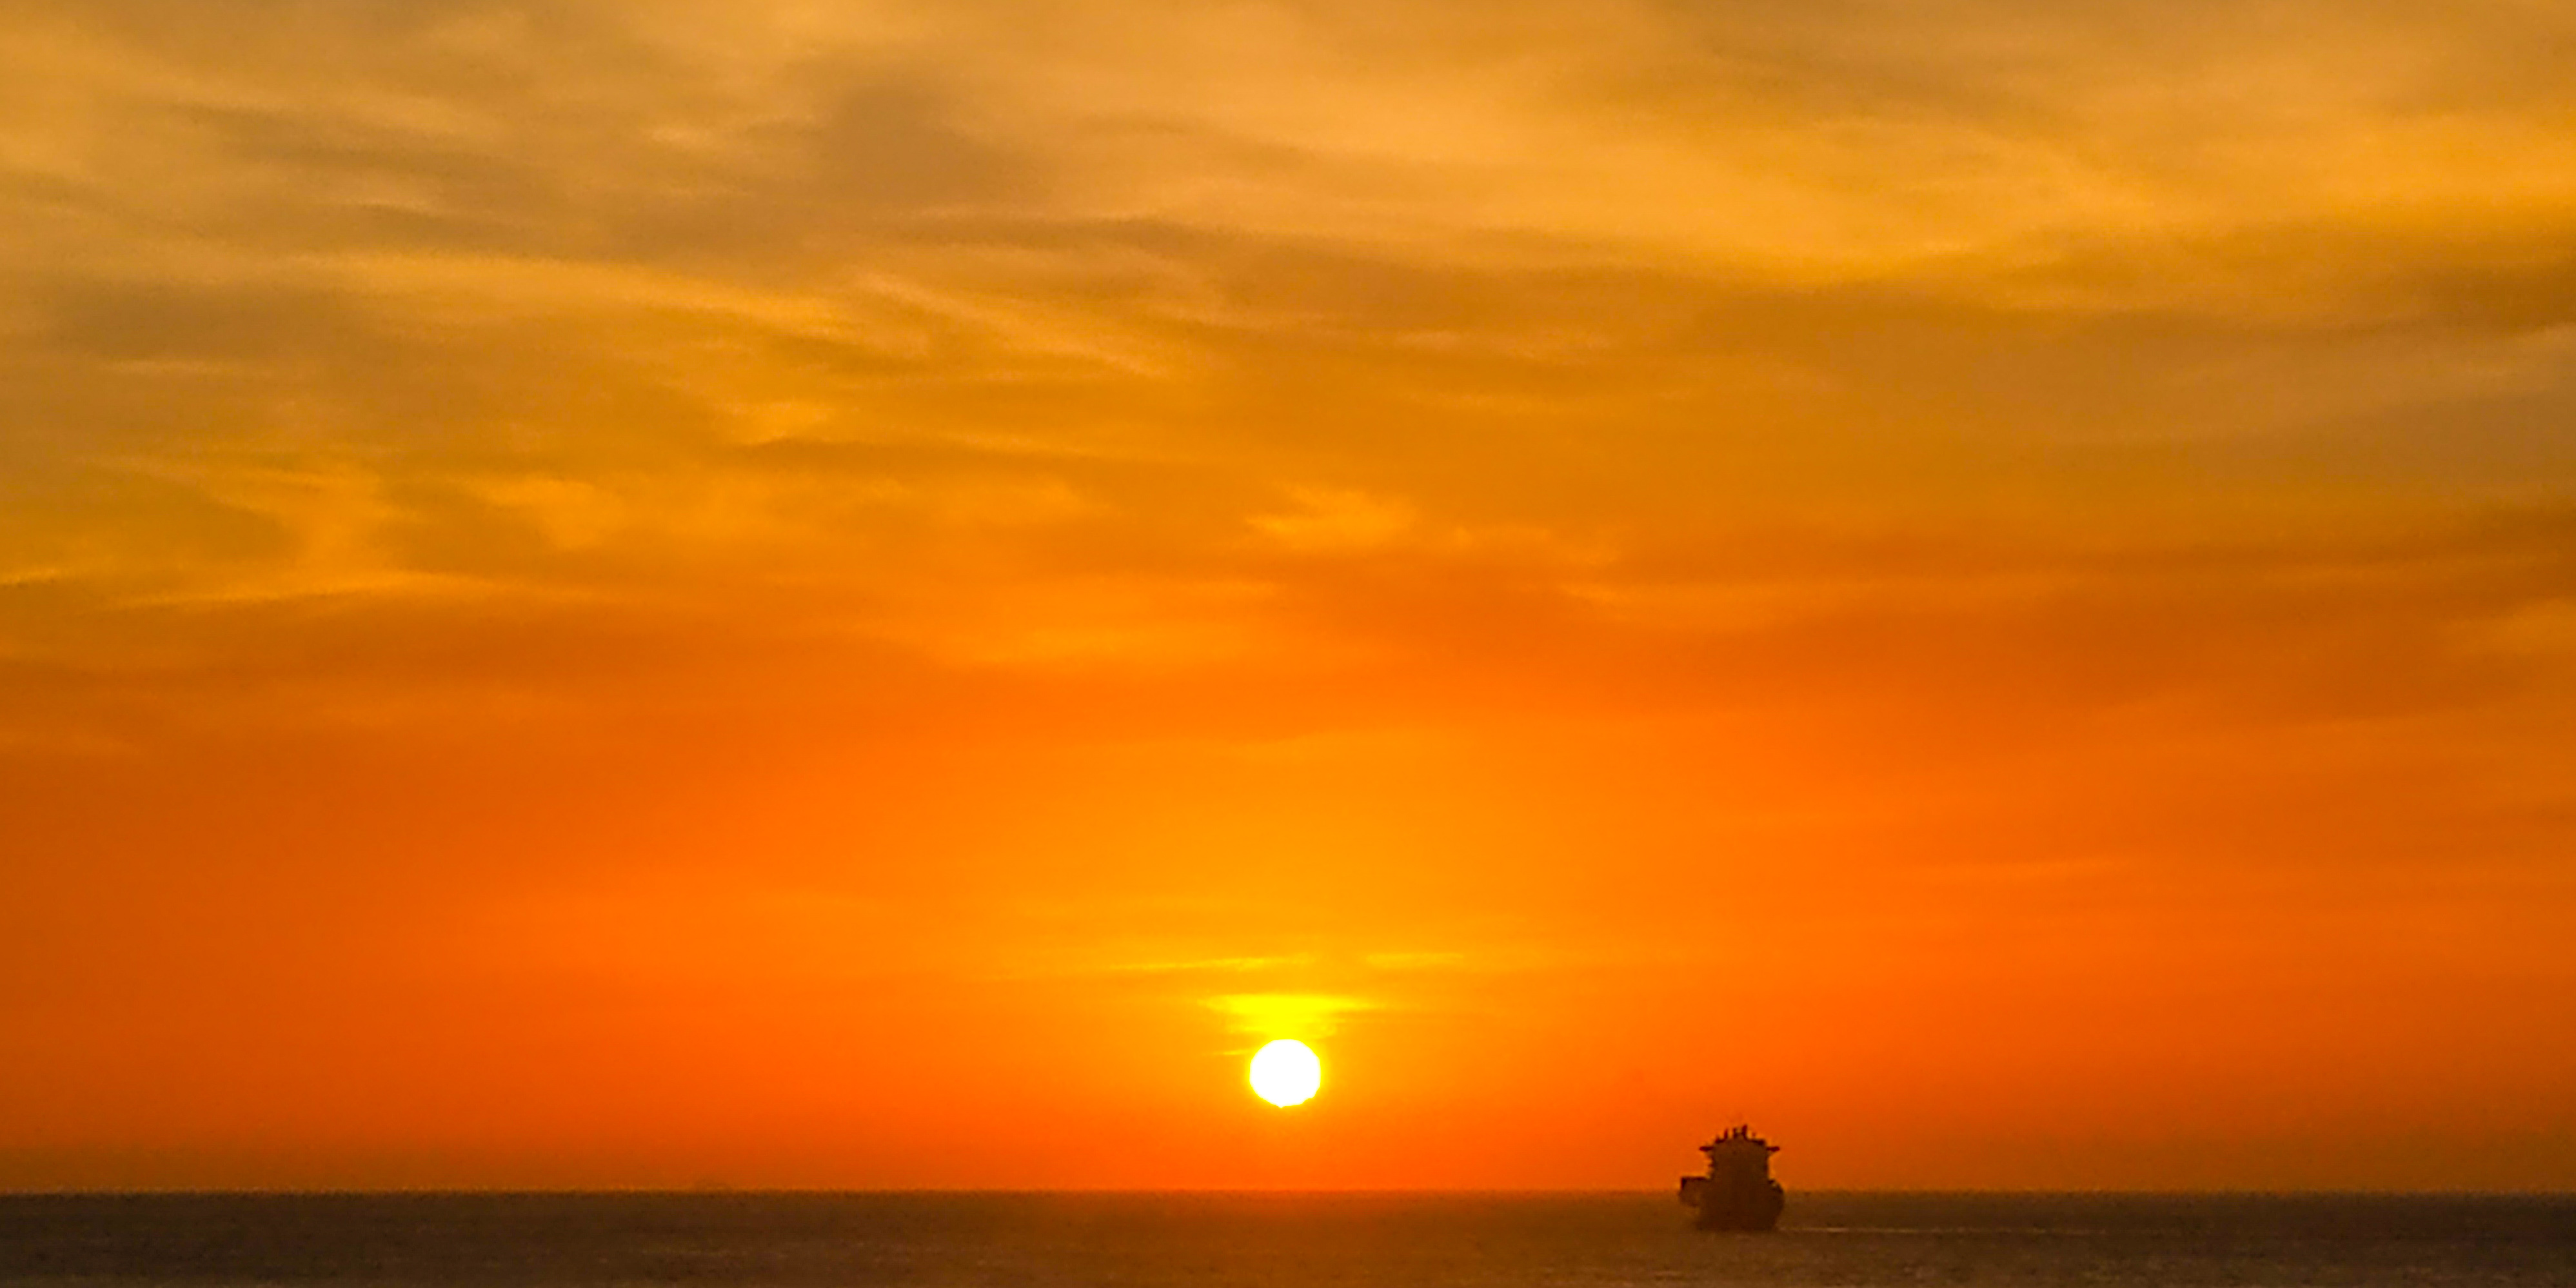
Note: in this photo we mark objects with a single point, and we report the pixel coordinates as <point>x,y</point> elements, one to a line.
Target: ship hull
<point>1753,1211</point>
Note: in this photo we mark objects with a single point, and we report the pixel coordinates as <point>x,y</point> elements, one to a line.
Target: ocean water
<point>1276,1241</point>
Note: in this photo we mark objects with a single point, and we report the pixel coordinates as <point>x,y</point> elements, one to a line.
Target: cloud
<point>1327,519</point>
<point>1270,1015</point>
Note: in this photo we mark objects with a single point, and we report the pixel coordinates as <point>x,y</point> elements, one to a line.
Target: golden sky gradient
<point>627,592</point>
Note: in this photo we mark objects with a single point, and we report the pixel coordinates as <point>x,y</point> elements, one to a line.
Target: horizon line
<point>789,1191</point>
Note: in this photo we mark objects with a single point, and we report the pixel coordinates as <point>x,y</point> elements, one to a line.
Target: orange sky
<point>628,592</point>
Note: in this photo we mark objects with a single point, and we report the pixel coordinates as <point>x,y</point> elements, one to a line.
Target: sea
<point>1843,1240</point>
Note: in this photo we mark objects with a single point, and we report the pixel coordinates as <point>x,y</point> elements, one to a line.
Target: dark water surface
<point>1841,1240</point>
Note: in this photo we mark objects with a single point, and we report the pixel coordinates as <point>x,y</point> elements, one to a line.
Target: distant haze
<point>646,593</point>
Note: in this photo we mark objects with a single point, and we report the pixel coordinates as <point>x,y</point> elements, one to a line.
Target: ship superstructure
<point>1738,1192</point>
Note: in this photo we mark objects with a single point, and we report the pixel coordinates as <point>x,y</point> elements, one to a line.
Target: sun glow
<point>1286,1072</point>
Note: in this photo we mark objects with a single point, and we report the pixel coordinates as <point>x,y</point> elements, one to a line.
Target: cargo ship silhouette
<point>1738,1192</point>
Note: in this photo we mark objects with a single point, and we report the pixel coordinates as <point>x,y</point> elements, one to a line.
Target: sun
<point>1286,1072</point>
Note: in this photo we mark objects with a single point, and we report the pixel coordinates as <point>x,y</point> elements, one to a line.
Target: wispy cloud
<point>1274,1015</point>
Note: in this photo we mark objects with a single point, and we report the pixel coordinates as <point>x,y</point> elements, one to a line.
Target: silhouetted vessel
<point>1738,1192</point>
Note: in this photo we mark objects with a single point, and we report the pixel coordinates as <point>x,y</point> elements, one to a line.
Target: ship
<point>1738,1192</point>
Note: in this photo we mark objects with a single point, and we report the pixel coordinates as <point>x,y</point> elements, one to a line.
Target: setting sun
<point>1286,1073</point>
